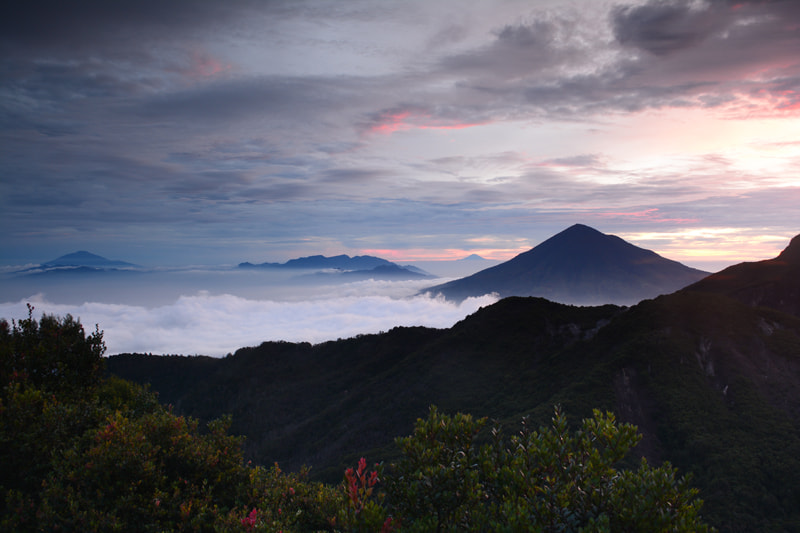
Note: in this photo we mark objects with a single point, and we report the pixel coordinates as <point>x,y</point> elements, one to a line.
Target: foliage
<point>546,480</point>
<point>438,480</point>
<point>52,354</point>
<point>153,470</point>
<point>107,457</point>
<point>728,415</point>
<point>50,372</point>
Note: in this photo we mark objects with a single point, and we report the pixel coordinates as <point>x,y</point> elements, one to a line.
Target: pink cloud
<point>389,123</point>
<point>393,121</point>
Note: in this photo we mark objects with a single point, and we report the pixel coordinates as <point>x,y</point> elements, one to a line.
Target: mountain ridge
<point>581,266</point>
<point>705,383</point>
<point>82,258</point>
<point>712,383</point>
<point>773,283</point>
<point>341,262</point>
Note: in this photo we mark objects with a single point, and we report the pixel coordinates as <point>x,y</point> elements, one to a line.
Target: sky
<point>199,132</point>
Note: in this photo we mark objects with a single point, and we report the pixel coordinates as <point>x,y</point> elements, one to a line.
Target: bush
<point>546,480</point>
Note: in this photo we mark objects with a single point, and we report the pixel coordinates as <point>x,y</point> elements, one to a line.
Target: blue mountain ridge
<point>346,267</point>
<point>86,259</point>
<point>340,262</point>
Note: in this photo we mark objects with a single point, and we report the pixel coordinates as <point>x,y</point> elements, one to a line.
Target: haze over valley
<point>214,311</point>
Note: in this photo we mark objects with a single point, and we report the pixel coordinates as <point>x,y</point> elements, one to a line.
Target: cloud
<point>665,27</point>
<point>214,325</point>
<point>737,56</point>
<point>517,51</point>
<point>247,123</point>
<point>237,99</point>
<point>581,160</point>
<point>89,24</point>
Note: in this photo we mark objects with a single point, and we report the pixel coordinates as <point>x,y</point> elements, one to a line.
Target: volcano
<point>580,266</point>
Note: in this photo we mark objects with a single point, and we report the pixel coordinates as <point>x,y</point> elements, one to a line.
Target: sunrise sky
<point>209,132</point>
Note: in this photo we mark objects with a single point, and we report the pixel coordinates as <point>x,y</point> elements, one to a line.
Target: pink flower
<point>250,520</point>
<point>388,525</point>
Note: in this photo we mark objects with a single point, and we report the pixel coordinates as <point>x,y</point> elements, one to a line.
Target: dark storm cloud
<point>715,41</point>
<point>664,27</point>
<point>66,27</point>
<point>696,54</point>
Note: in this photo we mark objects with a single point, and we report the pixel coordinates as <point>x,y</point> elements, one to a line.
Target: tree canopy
<point>80,451</point>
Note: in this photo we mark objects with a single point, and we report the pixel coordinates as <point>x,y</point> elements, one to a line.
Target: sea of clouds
<point>218,323</point>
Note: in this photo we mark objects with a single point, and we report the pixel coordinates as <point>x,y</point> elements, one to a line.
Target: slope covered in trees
<point>102,455</point>
<point>711,383</point>
<point>771,283</point>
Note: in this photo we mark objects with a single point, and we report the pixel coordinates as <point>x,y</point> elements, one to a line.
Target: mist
<point>216,311</point>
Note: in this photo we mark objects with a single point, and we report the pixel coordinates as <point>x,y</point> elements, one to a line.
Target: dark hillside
<point>771,283</point>
<point>311,404</point>
<point>713,384</point>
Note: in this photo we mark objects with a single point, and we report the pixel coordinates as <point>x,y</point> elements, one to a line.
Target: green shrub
<point>546,480</point>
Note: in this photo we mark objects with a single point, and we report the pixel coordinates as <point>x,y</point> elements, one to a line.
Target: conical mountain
<point>771,283</point>
<point>85,259</point>
<point>579,266</point>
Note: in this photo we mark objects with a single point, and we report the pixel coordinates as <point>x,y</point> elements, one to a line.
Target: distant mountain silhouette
<point>579,266</point>
<point>86,259</point>
<point>416,270</point>
<point>341,262</point>
<point>771,283</point>
<point>389,271</point>
<point>386,272</point>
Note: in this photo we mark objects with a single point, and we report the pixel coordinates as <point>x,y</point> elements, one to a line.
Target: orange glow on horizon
<point>698,245</point>
<point>690,246</point>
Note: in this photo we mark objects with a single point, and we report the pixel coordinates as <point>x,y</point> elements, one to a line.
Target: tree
<point>53,354</point>
<point>50,371</point>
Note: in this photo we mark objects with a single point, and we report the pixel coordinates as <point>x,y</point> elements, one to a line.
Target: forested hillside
<point>84,452</point>
<point>711,383</point>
